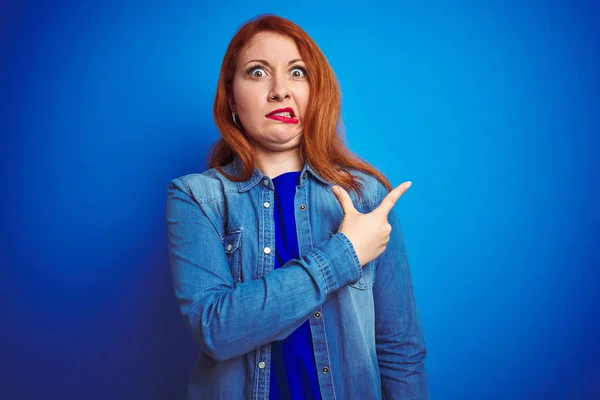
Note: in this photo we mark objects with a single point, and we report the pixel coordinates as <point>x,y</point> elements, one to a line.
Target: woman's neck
<point>275,164</point>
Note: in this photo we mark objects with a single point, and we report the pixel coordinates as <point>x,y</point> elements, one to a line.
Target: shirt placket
<point>266,243</point>
<point>302,210</point>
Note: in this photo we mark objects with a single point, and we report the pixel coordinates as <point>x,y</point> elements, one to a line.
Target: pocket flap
<point>232,239</point>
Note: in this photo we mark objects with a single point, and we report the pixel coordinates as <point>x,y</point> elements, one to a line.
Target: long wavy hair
<point>321,143</point>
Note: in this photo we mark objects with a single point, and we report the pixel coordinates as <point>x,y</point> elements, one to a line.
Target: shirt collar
<point>258,176</point>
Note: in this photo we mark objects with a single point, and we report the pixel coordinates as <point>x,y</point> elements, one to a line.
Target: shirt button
<point>266,204</point>
<point>317,315</point>
<point>303,176</point>
<point>229,247</point>
<point>302,207</point>
<point>262,365</point>
<point>266,182</point>
<point>325,370</point>
<point>267,250</point>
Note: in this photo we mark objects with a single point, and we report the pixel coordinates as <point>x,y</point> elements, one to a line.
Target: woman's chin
<point>281,139</point>
<point>278,144</point>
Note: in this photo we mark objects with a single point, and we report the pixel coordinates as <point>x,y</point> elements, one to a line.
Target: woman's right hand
<point>369,233</point>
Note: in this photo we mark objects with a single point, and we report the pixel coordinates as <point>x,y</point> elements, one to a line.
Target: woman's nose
<point>279,91</point>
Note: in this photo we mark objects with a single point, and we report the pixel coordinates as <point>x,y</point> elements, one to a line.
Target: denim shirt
<point>365,328</point>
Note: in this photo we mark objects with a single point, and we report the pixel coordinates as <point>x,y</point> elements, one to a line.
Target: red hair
<point>321,144</point>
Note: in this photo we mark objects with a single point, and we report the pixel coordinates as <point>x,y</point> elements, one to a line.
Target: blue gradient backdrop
<point>492,109</point>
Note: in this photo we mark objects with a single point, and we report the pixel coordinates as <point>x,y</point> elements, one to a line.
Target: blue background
<point>492,109</point>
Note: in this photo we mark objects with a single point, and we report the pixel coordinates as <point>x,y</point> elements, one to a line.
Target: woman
<point>292,286</point>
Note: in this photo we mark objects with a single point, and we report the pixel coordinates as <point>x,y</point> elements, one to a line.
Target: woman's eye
<point>256,72</point>
<point>298,72</point>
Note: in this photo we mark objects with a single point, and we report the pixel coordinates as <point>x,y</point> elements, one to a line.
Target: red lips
<point>280,110</point>
<point>280,118</point>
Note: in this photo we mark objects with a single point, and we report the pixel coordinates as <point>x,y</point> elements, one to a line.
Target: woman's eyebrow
<point>267,63</point>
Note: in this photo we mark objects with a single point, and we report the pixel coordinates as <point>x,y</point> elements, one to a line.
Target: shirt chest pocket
<point>368,274</point>
<point>232,246</point>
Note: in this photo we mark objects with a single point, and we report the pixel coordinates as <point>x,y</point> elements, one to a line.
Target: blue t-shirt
<point>293,369</point>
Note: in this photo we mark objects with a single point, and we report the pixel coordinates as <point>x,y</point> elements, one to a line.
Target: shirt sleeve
<point>227,319</point>
<point>399,335</point>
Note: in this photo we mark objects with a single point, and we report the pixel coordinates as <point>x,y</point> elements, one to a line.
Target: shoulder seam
<point>199,200</point>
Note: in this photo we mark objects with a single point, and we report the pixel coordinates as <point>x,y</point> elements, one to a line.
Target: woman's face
<point>270,75</point>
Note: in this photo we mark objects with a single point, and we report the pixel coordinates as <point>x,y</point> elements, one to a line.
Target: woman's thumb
<point>343,198</point>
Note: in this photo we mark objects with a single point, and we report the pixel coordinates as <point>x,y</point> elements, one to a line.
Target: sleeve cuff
<point>339,262</point>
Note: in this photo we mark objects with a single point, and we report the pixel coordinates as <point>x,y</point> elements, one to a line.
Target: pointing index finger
<point>392,197</point>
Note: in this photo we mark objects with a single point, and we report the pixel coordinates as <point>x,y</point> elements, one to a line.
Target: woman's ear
<point>231,104</point>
